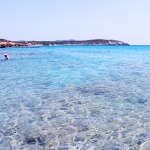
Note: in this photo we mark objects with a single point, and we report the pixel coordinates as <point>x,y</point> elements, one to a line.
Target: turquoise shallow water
<point>75,97</point>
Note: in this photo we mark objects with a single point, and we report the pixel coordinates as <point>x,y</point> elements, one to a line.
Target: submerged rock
<point>30,140</point>
<point>142,101</point>
<point>41,140</point>
<point>95,89</point>
<point>139,142</point>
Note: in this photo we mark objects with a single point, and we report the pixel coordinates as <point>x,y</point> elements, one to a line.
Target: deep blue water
<point>75,97</point>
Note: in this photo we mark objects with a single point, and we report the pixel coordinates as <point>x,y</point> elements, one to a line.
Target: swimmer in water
<point>6,57</point>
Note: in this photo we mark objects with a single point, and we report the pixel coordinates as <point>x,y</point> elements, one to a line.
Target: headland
<point>95,42</point>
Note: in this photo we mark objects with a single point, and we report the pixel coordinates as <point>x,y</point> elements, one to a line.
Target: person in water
<point>6,57</point>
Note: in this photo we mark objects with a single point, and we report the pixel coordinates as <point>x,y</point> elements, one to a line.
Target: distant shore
<point>96,42</point>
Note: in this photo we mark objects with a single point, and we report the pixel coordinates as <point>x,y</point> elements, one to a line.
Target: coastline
<point>97,42</point>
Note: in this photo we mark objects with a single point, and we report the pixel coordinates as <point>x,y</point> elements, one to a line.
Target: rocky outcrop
<point>5,43</point>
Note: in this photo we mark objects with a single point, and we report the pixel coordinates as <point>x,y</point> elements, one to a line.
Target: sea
<point>75,98</point>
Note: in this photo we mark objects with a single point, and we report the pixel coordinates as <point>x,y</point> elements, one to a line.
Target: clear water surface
<point>75,97</point>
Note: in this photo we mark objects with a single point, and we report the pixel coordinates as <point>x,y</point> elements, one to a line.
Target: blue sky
<point>125,20</point>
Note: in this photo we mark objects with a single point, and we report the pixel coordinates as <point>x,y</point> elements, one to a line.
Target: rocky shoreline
<point>6,43</point>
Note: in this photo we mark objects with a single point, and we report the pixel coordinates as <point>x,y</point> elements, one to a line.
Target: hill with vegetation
<point>6,43</point>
